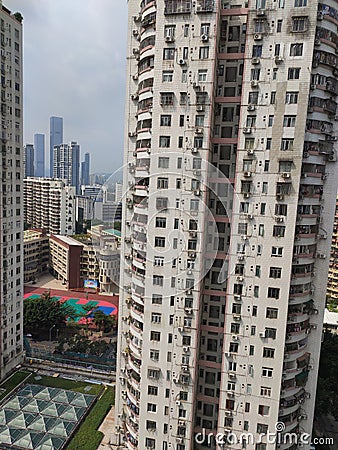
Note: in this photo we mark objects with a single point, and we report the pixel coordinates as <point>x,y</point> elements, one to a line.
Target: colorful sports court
<point>77,303</point>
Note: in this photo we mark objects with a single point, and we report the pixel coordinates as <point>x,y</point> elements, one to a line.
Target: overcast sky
<point>74,67</point>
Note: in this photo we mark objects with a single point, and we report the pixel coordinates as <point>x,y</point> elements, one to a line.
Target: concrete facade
<point>11,187</point>
<point>230,151</point>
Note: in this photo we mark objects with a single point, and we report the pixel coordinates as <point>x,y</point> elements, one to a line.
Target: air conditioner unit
<point>204,38</point>
<point>319,16</point>
<point>247,130</point>
<point>135,77</point>
<point>237,317</point>
<point>181,423</point>
<point>180,329</point>
<point>321,255</point>
<point>312,86</point>
<point>185,368</point>
<point>280,196</point>
<point>247,174</point>
<point>199,108</point>
<point>199,130</point>
<point>235,337</point>
<point>169,39</point>
<point>193,234</point>
<point>262,334</point>
<point>255,60</point>
<point>279,219</point>
<point>240,278</point>
<point>186,349</point>
<point>181,62</point>
<point>197,172</point>
<point>260,12</point>
<point>251,107</point>
<point>194,150</point>
<point>250,152</point>
<point>241,258</point>
<point>286,175</point>
<point>258,37</point>
<point>188,311</point>
<point>197,192</point>
<point>135,33</point>
<point>178,403</point>
<point>136,51</point>
<point>237,297</point>
<point>192,255</point>
<point>246,194</point>
<point>231,394</point>
<point>232,374</point>
<point>278,59</point>
<point>254,83</point>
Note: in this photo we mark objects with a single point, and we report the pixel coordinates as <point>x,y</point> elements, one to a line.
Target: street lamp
<point>50,332</point>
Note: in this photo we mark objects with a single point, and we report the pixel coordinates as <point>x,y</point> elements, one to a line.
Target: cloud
<point>74,67</point>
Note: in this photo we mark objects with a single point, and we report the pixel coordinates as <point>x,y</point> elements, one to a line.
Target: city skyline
<point>86,107</point>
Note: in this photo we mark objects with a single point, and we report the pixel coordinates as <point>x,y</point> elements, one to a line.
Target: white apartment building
<point>50,204</point>
<point>11,187</point>
<point>230,186</point>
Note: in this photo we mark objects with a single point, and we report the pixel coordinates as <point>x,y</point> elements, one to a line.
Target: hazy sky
<point>74,67</point>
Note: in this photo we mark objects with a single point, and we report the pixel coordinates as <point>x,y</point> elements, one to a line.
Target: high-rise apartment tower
<point>11,187</point>
<point>39,157</point>
<point>85,168</point>
<point>55,138</point>
<point>230,186</point>
<point>67,164</point>
<point>28,160</point>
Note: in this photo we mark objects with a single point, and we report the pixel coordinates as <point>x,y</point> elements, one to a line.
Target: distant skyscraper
<point>39,156</point>
<point>118,192</point>
<point>29,160</point>
<point>85,167</point>
<point>55,138</point>
<point>66,159</point>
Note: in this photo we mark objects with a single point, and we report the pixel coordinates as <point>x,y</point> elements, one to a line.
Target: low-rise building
<point>36,254</point>
<point>331,321</point>
<point>65,260</point>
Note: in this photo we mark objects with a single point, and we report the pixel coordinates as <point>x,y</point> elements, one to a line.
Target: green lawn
<point>12,382</point>
<point>62,383</point>
<point>88,437</point>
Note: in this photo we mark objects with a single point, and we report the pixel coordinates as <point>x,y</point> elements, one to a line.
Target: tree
<point>43,312</point>
<point>103,321</point>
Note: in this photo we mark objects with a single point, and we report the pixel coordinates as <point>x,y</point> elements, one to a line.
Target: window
<point>162,183</point>
<point>204,53</point>
<point>296,49</point>
<point>155,336</point>
<point>160,222</point>
<point>278,231</point>
<point>279,25</point>
<point>163,162</point>
<point>299,3</point>
<point>291,97</point>
<point>271,313</point>
<point>167,76</point>
<point>151,407</point>
<point>156,299</point>
<point>289,121</point>
<point>151,426</point>
<point>277,49</point>
<point>158,280</point>
<point>152,390</point>
<point>194,205</point>
<point>270,333</point>
<point>275,272</point>
<point>154,374</point>
<point>273,97</point>
<point>277,251</point>
<point>256,291</point>
<point>299,24</point>
<point>268,352</point>
<point>165,120</point>
<point>169,30</point>
<point>274,73</point>
<point>287,144</point>
<point>261,229</point>
<point>264,187</point>
<point>267,372</point>
<point>257,51</point>
<point>255,73</point>
<point>164,141</point>
<point>254,311</point>
<point>183,98</point>
<point>270,121</point>
<point>253,98</point>
<point>159,261</point>
<point>265,391</point>
<point>281,209</point>
<point>293,73</point>
<point>156,317</point>
<point>150,443</point>
<point>161,203</point>
<point>202,75</point>
<point>197,163</point>
<point>168,54</point>
<point>263,410</point>
<point>159,241</point>
<point>167,98</point>
<point>263,209</point>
